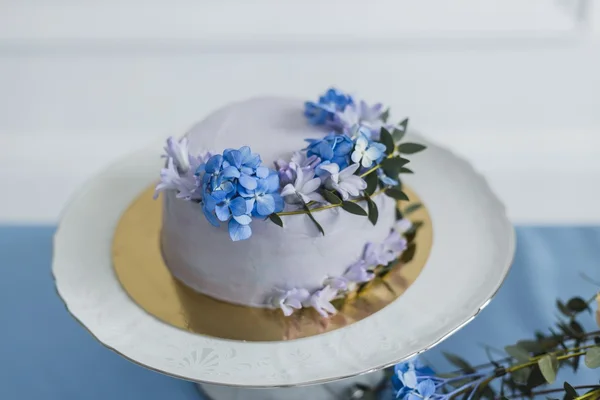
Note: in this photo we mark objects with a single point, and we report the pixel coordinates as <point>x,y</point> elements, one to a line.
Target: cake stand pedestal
<point>473,246</point>
<point>343,389</point>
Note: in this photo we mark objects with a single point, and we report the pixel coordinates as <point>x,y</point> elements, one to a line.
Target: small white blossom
<point>366,153</point>
<point>304,188</point>
<point>344,182</point>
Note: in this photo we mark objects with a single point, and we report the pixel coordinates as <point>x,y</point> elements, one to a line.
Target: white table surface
<point>521,104</point>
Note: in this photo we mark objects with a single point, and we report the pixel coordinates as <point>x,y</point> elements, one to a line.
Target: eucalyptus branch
<point>550,391</point>
<point>328,206</point>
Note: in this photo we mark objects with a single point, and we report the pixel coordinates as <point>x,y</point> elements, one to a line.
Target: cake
<point>276,202</point>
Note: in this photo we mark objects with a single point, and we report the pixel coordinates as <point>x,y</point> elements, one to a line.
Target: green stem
<point>326,207</point>
<point>550,391</point>
<point>375,168</point>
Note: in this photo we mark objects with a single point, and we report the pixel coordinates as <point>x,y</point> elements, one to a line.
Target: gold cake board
<point>140,268</point>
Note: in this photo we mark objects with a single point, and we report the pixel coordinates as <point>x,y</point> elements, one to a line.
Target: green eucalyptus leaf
<point>592,357</point>
<point>400,131</point>
<point>459,362</point>
<point>385,137</point>
<point>399,214</point>
<point>409,253</point>
<point>410,148</point>
<point>331,197</point>
<point>276,219</point>
<point>392,166</point>
<point>411,208</point>
<point>405,170</point>
<point>353,208</point>
<point>577,328</point>
<point>521,376</point>
<point>385,115</point>
<point>396,194</point>
<point>371,181</point>
<point>563,308</point>
<point>312,218</point>
<point>530,346</point>
<point>549,366</point>
<point>577,304</point>
<point>517,353</point>
<point>373,211</point>
<point>570,391</point>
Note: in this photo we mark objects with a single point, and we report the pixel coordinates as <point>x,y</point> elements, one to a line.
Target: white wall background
<point>512,85</point>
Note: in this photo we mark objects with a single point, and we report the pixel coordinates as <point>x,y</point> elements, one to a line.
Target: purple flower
<point>333,147</point>
<point>385,252</point>
<point>288,300</point>
<point>361,114</point>
<point>321,301</point>
<point>304,189</point>
<point>323,111</point>
<point>403,225</point>
<point>344,182</point>
<point>358,272</point>
<point>178,151</point>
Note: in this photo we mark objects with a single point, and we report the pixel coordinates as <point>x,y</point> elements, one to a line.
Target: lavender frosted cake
<point>277,202</point>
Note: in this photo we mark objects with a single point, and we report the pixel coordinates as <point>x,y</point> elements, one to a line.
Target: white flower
<point>402,226</point>
<point>288,300</point>
<point>304,188</point>
<point>359,273</point>
<point>360,113</point>
<point>366,153</point>
<point>178,151</point>
<point>321,301</point>
<point>344,182</point>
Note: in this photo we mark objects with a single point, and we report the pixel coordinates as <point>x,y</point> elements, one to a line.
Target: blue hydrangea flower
<point>367,152</point>
<point>408,377</point>
<point>324,110</point>
<point>333,147</point>
<point>236,187</point>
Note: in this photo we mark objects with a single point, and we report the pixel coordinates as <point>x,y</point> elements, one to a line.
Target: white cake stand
<point>472,251</point>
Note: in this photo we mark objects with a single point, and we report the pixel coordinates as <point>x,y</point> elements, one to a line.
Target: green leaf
<point>385,137</point>
<point>405,170</point>
<point>331,197</point>
<point>548,365</point>
<point>412,208</point>
<point>576,328</point>
<point>410,148</point>
<point>459,362</point>
<point>409,253</point>
<point>371,181</point>
<point>353,208</point>
<point>319,227</point>
<point>399,132</point>
<point>577,304</point>
<point>392,166</point>
<point>563,308</point>
<point>373,212</point>
<point>521,376</point>
<point>396,194</point>
<point>517,353</point>
<point>385,115</point>
<point>592,357</point>
<point>276,219</point>
<point>399,214</point>
<point>570,391</point>
<point>530,346</point>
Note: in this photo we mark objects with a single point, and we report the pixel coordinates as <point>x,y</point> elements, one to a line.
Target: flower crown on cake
<point>358,159</point>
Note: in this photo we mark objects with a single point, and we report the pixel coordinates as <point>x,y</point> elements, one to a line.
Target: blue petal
<point>238,206</point>
<point>426,388</point>
<point>201,168</point>
<point>325,151</point>
<point>262,186</point>
<point>227,187</point>
<point>209,202</point>
<point>219,196</point>
<point>239,232</point>
<point>230,172</point>
<point>233,157</point>
<point>272,182</point>
<point>222,212</point>
<point>265,205</point>
<point>214,163</point>
<point>262,172</point>
<point>243,219</point>
<point>248,182</point>
<point>210,217</point>
<point>246,153</point>
<point>247,170</point>
<point>250,205</point>
<point>279,204</point>
<point>242,191</point>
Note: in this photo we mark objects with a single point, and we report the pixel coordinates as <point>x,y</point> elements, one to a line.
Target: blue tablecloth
<point>46,355</point>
